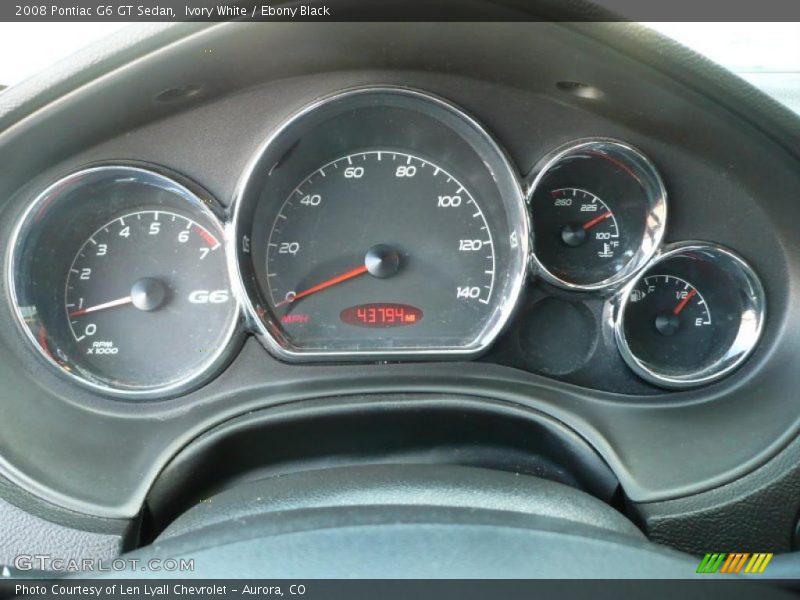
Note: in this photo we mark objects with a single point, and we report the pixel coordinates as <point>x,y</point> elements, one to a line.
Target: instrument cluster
<point>379,223</point>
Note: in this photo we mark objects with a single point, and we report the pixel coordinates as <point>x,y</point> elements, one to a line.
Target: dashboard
<point>376,223</point>
<point>556,253</point>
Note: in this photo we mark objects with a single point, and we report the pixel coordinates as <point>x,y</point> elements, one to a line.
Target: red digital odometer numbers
<point>381,314</point>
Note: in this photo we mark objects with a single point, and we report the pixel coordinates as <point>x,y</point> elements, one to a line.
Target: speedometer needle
<point>380,261</point>
<point>324,285</point>
<point>103,306</point>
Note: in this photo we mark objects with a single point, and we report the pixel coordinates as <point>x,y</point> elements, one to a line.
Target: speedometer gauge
<point>381,222</point>
<point>359,229</point>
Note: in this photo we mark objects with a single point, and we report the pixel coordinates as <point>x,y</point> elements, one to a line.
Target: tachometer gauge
<point>120,278</point>
<point>694,316</point>
<point>381,223</point>
<point>598,210</point>
<point>144,292</point>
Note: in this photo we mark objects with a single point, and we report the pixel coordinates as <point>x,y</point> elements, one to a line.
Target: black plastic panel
<point>393,429</point>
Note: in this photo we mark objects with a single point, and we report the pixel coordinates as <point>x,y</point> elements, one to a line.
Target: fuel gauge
<point>694,316</point>
<point>672,322</point>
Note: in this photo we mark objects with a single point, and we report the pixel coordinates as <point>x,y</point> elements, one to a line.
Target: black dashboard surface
<point>202,105</point>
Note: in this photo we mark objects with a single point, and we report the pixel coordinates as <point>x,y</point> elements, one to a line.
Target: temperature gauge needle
<point>574,234</point>
<point>682,304</point>
<point>598,219</point>
<point>103,306</point>
<point>342,277</point>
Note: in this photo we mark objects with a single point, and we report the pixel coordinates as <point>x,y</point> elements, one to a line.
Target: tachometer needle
<point>598,219</point>
<point>682,304</point>
<point>324,285</point>
<point>105,305</point>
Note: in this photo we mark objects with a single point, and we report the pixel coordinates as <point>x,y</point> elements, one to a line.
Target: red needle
<point>325,284</point>
<point>601,217</point>
<point>91,309</point>
<point>682,304</point>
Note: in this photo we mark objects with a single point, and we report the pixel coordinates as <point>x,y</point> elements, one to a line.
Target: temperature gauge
<point>693,317</point>
<point>588,223</point>
<point>598,210</point>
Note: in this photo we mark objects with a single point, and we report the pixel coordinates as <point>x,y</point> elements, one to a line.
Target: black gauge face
<point>588,233</point>
<point>380,228</point>
<point>669,322</point>
<point>694,316</point>
<point>597,212</point>
<point>146,295</point>
<point>381,223</point>
<point>119,278</point>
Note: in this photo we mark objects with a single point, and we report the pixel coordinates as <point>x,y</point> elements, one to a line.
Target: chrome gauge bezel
<point>260,316</point>
<point>202,204</point>
<point>656,216</point>
<point>753,303</point>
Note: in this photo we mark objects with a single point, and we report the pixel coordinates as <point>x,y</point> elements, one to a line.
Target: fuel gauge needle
<point>104,306</point>
<point>682,304</point>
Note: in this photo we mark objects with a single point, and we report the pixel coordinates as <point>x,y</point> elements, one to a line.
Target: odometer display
<point>381,315</point>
